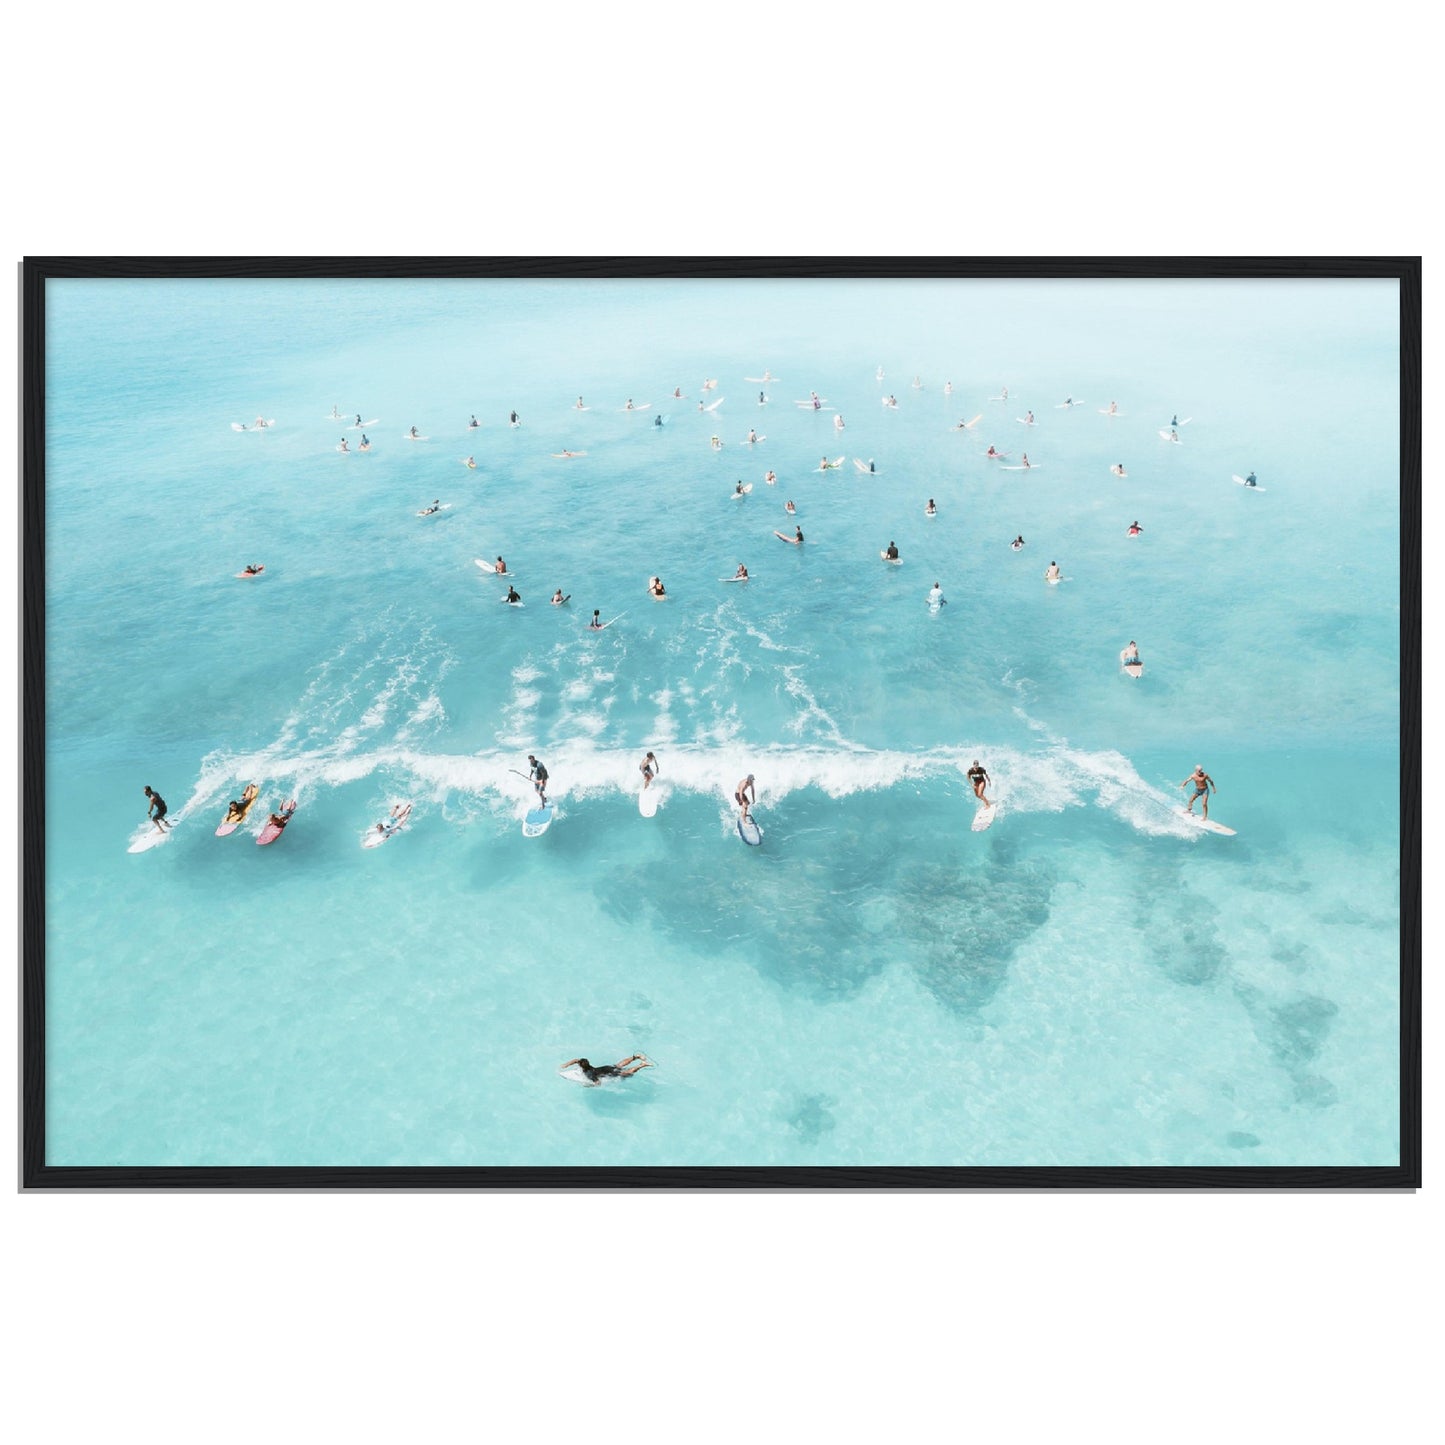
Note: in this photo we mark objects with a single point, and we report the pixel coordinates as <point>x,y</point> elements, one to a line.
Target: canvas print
<point>737,721</point>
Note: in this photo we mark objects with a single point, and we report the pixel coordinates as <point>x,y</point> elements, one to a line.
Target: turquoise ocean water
<point>1091,981</point>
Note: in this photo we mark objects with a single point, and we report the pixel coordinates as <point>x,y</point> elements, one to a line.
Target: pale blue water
<point>1092,981</point>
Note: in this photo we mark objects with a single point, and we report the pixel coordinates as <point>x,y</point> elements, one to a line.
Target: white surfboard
<point>148,836</point>
<point>362,425</point>
<point>1134,669</point>
<point>713,406</point>
<point>407,437</point>
<point>647,801</point>
<point>507,602</point>
<point>984,817</point>
<point>1073,401</point>
<point>749,831</point>
<point>969,425</point>
<point>738,496</point>
<point>865,468</point>
<point>936,604</point>
<point>748,578</point>
<point>1032,467</point>
<point>831,466</point>
<point>567,456</point>
<point>641,406</point>
<point>1243,483</point>
<point>1119,471</point>
<point>432,511</point>
<point>1054,581</point>
<point>241,426</point>
<point>896,561</point>
<point>1207,824</point>
<point>603,626</point>
<point>537,821</point>
<point>1169,438</point>
<point>1024,421</point>
<point>811,405</point>
<point>753,441</point>
<point>1104,411</point>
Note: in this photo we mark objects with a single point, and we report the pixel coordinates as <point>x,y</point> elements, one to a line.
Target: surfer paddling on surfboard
<point>1203,784</point>
<point>978,776</point>
<point>622,1069</point>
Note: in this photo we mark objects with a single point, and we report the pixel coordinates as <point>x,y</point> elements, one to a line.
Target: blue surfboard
<point>749,831</point>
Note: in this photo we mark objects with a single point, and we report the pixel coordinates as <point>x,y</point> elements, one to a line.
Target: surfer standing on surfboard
<point>649,769</point>
<point>744,793</point>
<point>978,776</point>
<point>1203,783</point>
<point>538,776</point>
<point>156,809</point>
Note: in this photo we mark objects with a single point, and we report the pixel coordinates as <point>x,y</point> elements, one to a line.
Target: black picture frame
<point>36,1174</point>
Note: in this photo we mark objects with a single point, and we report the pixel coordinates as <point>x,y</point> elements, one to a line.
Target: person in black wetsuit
<point>622,1069</point>
<point>539,778</point>
<point>156,809</point>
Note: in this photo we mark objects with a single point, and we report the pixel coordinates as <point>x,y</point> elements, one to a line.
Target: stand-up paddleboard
<point>387,828</point>
<point>641,406</point>
<point>271,832</point>
<point>749,831</point>
<point>865,468</point>
<point>1169,438</point>
<point>228,824</point>
<point>490,568</point>
<point>567,456</point>
<point>647,801</point>
<point>241,426</point>
<point>537,821</point>
<point>1119,471</point>
<point>256,573</point>
<point>738,496</point>
<point>984,817</point>
<point>783,537</point>
<point>1207,824</point>
<point>714,405</point>
<point>1243,483</point>
<point>831,466</point>
<point>1134,669</point>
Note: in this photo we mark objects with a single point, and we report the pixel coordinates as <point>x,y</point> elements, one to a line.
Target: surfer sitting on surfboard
<point>978,776</point>
<point>622,1069</point>
<point>253,569</point>
<point>891,553</point>
<point>1134,529</point>
<point>558,599</point>
<point>1053,574</point>
<point>513,596</point>
<point>1130,655</point>
<point>1202,785</point>
<point>655,586</point>
<point>742,575</point>
<point>741,796</point>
